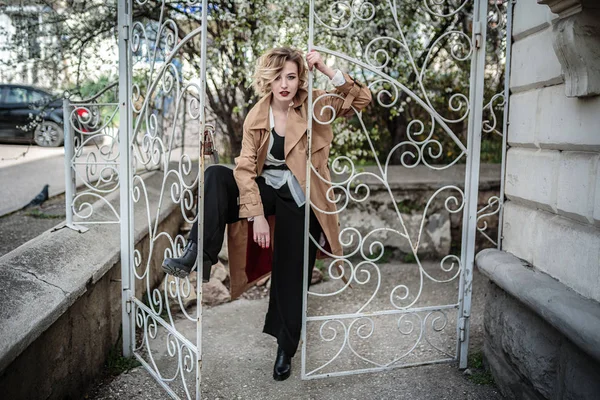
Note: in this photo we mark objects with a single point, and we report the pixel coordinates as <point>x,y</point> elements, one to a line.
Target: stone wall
<point>542,364</point>
<point>62,310</point>
<point>552,216</point>
<point>66,358</point>
<point>412,190</point>
<point>543,308</point>
<point>441,232</point>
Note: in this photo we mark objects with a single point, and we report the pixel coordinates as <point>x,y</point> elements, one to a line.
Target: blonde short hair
<point>270,65</point>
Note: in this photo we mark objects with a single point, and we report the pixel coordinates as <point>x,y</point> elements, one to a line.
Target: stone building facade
<point>542,319</point>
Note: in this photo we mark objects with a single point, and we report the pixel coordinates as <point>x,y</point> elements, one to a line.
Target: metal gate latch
<point>477,34</point>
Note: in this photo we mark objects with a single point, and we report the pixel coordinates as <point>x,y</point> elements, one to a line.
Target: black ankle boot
<point>182,266</point>
<point>283,366</point>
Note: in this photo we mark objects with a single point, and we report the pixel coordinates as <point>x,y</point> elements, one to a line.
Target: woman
<point>263,197</point>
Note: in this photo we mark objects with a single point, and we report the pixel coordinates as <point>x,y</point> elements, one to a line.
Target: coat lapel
<point>295,129</point>
<point>296,124</point>
<point>258,123</point>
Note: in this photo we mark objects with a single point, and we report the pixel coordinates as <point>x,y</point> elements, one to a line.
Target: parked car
<point>20,107</point>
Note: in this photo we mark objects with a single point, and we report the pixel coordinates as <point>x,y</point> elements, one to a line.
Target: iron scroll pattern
<point>421,325</point>
<point>491,126</point>
<point>94,161</point>
<point>168,355</point>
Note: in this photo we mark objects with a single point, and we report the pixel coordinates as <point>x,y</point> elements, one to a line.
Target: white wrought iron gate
<point>157,176</point>
<point>396,323</point>
<point>383,314</point>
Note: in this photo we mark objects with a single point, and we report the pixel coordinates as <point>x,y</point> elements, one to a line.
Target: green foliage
<point>479,374</point>
<point>491,149</point>
<point>409,258</point>
<point>440,58</point>
<point>408,206</point>
<point>320,265</point>
<point>387,256</point>
<point>146,300</point>
<point>90,87</point>
<point>482,378</point>
<point>116,364</point>
<point>35,213</point>
<point>349,140</point>
<point>475,360</point>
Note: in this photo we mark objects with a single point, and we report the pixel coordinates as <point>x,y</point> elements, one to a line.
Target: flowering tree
<point>80,36</point>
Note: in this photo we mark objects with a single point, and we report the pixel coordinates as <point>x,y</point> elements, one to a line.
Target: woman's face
<point>285,86</point>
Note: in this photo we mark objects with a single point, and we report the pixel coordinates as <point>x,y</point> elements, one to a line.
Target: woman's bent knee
<point>217,173</point>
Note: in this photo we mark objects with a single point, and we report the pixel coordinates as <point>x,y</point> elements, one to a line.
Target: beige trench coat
<point>247,261</point>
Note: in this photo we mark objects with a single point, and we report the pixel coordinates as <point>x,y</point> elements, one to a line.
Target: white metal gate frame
<point>127,193</point>
<point>91,154</point>
<point>468,205</point>
<point>134,311</point>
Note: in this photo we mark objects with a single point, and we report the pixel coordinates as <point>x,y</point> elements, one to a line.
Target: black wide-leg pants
<point>284,316</point>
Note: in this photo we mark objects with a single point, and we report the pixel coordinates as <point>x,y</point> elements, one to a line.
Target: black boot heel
<point>206,268</point>
<point>283,366</point>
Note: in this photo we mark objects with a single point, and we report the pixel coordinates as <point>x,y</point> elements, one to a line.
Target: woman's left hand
<point>313,58</point>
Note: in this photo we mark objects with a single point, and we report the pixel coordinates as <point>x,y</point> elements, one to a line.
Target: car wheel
<point>48,134</point>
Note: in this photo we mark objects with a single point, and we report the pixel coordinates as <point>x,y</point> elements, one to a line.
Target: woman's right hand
<point>262,232</point>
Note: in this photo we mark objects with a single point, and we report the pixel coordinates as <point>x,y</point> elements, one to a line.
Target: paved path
<point>22,179</point>
<point>14,154</point>
<point>238,357</point>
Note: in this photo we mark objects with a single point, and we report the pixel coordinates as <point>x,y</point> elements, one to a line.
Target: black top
<point>278,145</point>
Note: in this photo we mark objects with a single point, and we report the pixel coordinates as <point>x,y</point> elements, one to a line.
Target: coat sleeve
<point>245,176</point>
<point>354,93</point>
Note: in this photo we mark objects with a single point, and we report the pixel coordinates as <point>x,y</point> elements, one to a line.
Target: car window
<point>16,95</point>
<point>37,97</point>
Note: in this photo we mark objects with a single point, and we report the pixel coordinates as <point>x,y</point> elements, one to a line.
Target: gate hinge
<point>126,32</point>
<point>128,306</point>
<point>462,323</point>
<point>477,34</point>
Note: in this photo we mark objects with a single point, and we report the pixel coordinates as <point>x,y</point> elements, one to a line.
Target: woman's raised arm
<point>353,94</point>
